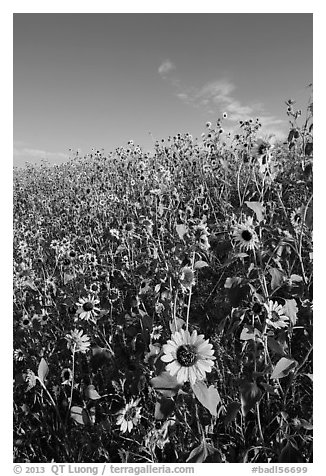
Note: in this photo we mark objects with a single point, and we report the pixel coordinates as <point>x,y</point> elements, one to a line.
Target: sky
<point>85,80</point>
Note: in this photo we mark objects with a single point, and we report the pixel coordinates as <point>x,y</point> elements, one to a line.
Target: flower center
<point>130,414</point>
<point>274,316</point>
<point>88,306</point>
<point>246,235</point>
<point>186,355</point>
<point>66,375</point>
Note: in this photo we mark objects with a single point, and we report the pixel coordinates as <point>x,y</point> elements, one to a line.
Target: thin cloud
<point>219,96</point>
<point>29,154</point>
<point>166,67</point>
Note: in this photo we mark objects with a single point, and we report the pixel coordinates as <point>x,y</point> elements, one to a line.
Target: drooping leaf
<point>208,396</point>
<point>91,393</point>
<point>200,264</point>
<point>283,367</point>
<point>43,370</point>
<point>166,384</point>
<point>198,454</point>
<point>258,208</point>
<point>250,394</point>
<point>80,415</point>
<point>181,230</point>
<point>277,278</point>
<point>231,412</point>
<point>290,309</point>
<point>290,454</point>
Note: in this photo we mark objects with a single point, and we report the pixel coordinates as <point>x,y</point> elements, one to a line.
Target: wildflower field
<point>163,301</point>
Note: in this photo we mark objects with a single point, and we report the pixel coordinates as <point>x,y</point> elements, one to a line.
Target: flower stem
<point>190,292</point>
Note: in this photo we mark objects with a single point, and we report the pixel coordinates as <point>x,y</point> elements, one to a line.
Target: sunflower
<point>275,315</point>
<point>189,357</point>
<point>156,332</point>
<point>129,227</point>
<point>129,416</point>
<point>245,235</point>
<point>86,308</point>
<point>66,376</point>
<point>25,321</point>
<point>78,341</point>
<point>19,355</point>
<point>187,277</point>
<point>296,220</point>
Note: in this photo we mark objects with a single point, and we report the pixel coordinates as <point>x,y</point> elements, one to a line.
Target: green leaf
<point>166,384</point>
<point>295,278</point>
<point>258,208</point>
<point>67,277</point>
<point>231,412</point>
<point>43,370</point>
<point>181,230</point>
<point>283,367</point>
<point>309,216</point>
<point>290,309</point>
<point>269,388</point>
<point>240,255</point>
<point>250,394</point>
<point>30,284</point>
<point>163,408</point>
<point>91,393</point>
<point>198,454</point>
<point>208,396</point>
<point>290,454</point>
<point>249,333</point>
<point>154,350</point>
<point>275,346</point>
<point>176,324</point>
<point>201,264</point>
<point>305,424</point>
<point>277,278</point>
<point>80,415</point>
